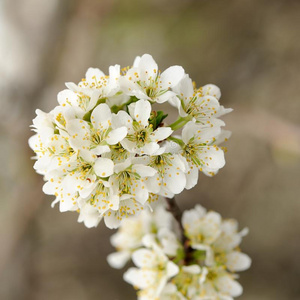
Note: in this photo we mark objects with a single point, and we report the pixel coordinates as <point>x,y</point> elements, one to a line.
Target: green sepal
<point>156,118</point>
<point>180,255</point>
<point>199,256</point>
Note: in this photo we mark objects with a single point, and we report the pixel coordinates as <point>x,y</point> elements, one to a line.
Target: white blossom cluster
<point>203,268</point>
<point>107,150</point>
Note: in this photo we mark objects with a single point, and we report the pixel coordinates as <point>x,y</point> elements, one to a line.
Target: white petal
<point>228,286</point>
<point>147,67</point>
<point>142,112</point>
<point>184,88</point>
<point>172,269</point>
<point>122,166</point>
<point>192,177</point>
<point>121,119</point>
<point>104,167</point>
<point>175,180</point>
<point>93,73</point>
<point>189,131</point>
<point>113,84</point>
<point>237,261</point>
<point>161,133</point>
<point>89,215</point>
<point>111,220</point>
<point>72,86</point>
<point>223,111</point>
<point>223,136</point>
<point>207,134</point>
<point>171,76</point>
<point>141,193</point>
<point>149,241</point>
<point>118,260</point>
<point>149,148</point>
<point>93,101</point>
<point>192,269</point>
<point>100,150</point>
<point>144,171</point>
<point>167,96</point>
<point>79,134</point>
<point>211,90</point>
<point>101,116</point>
<point>67,97</point>
<point>212,158</point>
<point>136,61</point>
<point>144,258</point>
<point>116,135</point>
<point>140,278</point>
<point>66,204</point>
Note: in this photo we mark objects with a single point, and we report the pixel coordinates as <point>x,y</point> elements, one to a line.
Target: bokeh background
<point>249,48</point>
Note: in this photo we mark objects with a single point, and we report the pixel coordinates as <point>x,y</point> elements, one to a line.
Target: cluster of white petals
<point>202,267</point>
<point>107,150</point>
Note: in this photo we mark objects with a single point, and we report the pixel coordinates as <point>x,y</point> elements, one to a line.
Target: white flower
<point>219,284</point>
<point>153,272</point>
<point>93,139</point>
<point>226,247</point>
<point>170,292</point>
<point>201,228</point>
<point>106,151</point>
<point>202,104</point>
<point>50,142</point>
<point>96,86</point>
<point>189,280</point>
<point>132,230</point>
<point>171,173</point>
<point>200,149</point>
<point>168,241</point>
<point>144,80</point>
<point>141,138</point>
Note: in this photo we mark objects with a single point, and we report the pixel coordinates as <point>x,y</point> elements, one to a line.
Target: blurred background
<point>250,49</point>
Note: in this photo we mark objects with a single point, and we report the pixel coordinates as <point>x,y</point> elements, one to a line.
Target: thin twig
<point>174,209</point>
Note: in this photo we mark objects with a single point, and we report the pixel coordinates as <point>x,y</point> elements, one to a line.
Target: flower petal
<point>237,261</point>
<point>174,180</point>
<point>112,220</point>
<point>167,96</point>
<point>211,90</point>
<point>116,135</point>
<point>93,74</point>
<point>104,167</point>
<point>144,258</point>
<point>67,97</point>
<point>101,116</point>
<point>148,68</point>
<point>118,259</point>
<point>89,216</point>
<point>171,76</point>
<point>161,133</point>
<point>144,171</point>
<point>149,148</point>
<point>142,112</point>
<point>229,286</point>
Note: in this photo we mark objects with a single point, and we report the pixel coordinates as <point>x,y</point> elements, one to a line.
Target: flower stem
<point>180,122</point>
<point>176,140</point>
<point>174,209</point>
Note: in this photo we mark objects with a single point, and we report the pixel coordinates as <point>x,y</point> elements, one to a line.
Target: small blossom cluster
<point>200,267</point>
<point>107,150</point>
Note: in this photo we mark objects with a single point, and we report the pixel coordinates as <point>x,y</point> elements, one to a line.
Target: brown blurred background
<point>249,48</point>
